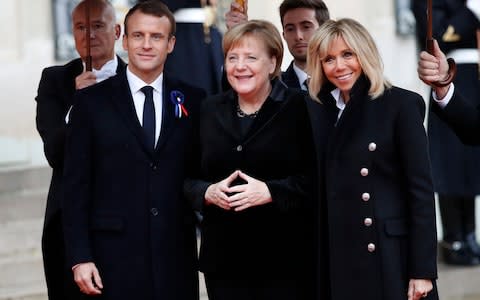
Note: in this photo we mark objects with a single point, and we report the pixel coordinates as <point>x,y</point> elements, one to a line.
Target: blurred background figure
<point>197,58</point>
<point>455,167</point>
<point>299,19</point>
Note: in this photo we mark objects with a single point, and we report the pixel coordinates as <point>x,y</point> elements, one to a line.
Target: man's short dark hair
<point>320,8</point>
<point>153,8</point>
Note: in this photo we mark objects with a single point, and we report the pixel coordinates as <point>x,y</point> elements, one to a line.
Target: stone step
<point>23,195</point>
<point>15,179</point>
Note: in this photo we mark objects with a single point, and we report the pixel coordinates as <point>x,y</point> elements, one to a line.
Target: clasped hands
<point>238,197</point>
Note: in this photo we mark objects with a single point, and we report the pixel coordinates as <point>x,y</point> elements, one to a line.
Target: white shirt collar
<point>301,75</point>
<point>108,70</point>
<point>339,101</point>
<point>136,83</point>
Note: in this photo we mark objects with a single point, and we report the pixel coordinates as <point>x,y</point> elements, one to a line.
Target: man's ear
<point>118,31</point>
<point>171,44</point>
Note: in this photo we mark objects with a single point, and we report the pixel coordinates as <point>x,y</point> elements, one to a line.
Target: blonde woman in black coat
<point>379,193</point>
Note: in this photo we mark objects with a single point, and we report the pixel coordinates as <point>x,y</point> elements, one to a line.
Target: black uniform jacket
<point>124,207</point>
<point>380,201</point>
<point>275,239</point>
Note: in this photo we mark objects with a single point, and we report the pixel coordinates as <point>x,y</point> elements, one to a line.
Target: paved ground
<point>22,201</point>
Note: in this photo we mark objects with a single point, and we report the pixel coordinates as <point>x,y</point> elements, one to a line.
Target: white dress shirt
<point>301,75</point>
<point>135,84</point>
<point>339,101</point>
<point>108,70</point>
<point>443,102</point>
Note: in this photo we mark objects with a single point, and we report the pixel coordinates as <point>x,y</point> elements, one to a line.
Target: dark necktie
<point>305,85</point>
<point>149,116</point>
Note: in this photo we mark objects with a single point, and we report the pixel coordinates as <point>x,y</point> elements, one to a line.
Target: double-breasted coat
<point>124,205</point>
<point>379,193</point>
<point>455,166</point>
<point>54,99</point>
<point>268,241</point>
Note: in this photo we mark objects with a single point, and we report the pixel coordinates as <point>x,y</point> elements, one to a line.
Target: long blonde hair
<point>359,41</point>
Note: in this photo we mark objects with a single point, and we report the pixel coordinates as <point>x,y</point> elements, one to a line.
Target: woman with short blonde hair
<point>378,186</point>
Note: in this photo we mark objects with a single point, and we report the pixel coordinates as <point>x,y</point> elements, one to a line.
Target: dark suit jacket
<point>54,99</point>
<point>124,206</point>
<point>272,240</point>
<point>289,77</point>
<point>462,117</point>
<point>378,167</point>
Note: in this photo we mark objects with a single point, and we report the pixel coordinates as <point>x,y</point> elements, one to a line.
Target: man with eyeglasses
<point>54,100</point>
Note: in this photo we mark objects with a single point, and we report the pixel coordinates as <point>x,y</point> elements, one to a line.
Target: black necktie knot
<point>148,91</point>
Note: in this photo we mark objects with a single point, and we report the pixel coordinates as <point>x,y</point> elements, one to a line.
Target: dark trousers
<point>58,276</point>
<point>458,216</point>
<point>221,288</point>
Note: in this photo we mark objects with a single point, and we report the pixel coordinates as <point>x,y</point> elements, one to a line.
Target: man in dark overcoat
<point>129,233</point>
<point>54,99</point>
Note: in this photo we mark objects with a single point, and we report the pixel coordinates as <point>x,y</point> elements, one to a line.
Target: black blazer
<point>462,117</point>
<point>124,208</point>
<point>379,196</point>
<point>54,99</point>
<point>289,77</point>
<point>272,240</point>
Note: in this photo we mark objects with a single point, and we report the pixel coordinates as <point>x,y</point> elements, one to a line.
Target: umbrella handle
<point>88,58</point>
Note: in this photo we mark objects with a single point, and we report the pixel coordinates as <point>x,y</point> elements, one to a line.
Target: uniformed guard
<point>197,58</point>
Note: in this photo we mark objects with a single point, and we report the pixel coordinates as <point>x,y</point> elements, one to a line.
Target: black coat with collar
<point>377,167</point>
<point>124,206</point>
<point>273,240</point>
<point>54,98</point>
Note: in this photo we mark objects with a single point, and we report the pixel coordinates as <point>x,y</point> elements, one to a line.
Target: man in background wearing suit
<point>129,232</point>
<point>55,97</point>
<point>300,19</point>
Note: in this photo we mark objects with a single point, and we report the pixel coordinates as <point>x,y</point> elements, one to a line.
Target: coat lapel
<point>289,77</point>
<point>352,117</point>
<point>270,108</point>
<point>123,102</point>
<point>168,112</point>
<point>226,115</point>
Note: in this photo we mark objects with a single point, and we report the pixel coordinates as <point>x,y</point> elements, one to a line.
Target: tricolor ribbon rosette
<point>177,99</point>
